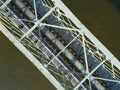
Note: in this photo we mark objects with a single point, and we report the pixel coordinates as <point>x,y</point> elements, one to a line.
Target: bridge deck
<point>63,49</point>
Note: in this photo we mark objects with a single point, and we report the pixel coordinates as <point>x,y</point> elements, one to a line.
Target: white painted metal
<point>87,77</point>
<point>82,31</point>
<point>62,50</point>
<point>31,58</point>
<point>35,10</point>
<point>104,79</point>
<point>66,69</point>
<point>5,4</point>
<point>86,61</point>
<point>38,22</point>
<point>87,33</point>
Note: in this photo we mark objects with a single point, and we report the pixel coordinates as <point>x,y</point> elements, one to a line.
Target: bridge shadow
<point>116,3</point>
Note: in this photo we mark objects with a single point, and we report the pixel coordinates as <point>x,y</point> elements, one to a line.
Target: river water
<point>101,17</point>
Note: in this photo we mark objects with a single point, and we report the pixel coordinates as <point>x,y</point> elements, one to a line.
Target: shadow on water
<point>116,3</point>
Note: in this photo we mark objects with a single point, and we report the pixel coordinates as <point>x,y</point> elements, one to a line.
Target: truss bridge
<point>59,45</point>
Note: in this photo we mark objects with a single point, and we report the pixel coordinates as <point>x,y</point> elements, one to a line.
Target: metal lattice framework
<point>49,63</point>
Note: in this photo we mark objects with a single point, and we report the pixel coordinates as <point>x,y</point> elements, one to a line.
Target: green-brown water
<point>16,72</point>
<point>102,17</point>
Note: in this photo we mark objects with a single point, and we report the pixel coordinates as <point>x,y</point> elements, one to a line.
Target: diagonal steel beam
<point>34,1</point>
<point>63,49</point>
<point>36,23</point>
<point>86,61</point>
<point>5,4</point>
<point>31,58</point>
<point>87,76</point>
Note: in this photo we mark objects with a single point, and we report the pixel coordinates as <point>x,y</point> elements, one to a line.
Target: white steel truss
<point>53,68</point>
